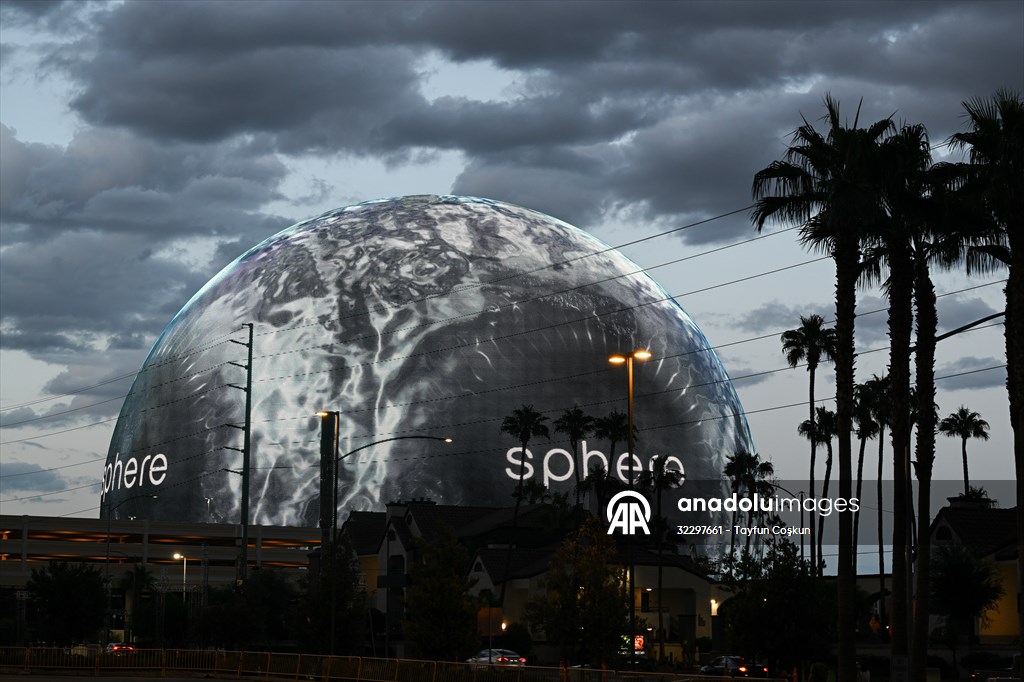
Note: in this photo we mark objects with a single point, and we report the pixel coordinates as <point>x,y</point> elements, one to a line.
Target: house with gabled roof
<point>991,534</point>
<point>686,602</point>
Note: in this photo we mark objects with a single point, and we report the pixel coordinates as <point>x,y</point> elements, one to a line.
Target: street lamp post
<point>329,433</point>
<point>640,354</point>
<point>776,485</point>
<point>184,574</point>
<point>106,563</point>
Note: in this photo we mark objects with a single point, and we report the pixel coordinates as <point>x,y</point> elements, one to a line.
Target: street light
<point>184,573</point>
<point>106,563</point>
<point>330,429</point>
<point>791,493</point>
<point>640,354</point>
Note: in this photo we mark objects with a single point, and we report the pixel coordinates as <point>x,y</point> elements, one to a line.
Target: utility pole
<point>243,562</point>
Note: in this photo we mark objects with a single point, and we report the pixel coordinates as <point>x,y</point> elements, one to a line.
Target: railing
<point>278,666</point>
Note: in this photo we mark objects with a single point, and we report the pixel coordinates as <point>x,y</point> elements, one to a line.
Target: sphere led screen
<point>415,316</point>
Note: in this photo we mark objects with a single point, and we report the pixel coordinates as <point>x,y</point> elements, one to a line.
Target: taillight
<point>502,659</point>
<point>522,660</point>
<point>742,668</point>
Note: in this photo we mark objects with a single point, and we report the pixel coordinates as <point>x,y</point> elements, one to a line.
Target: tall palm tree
<point>659,479</point>
<point>747,474</point>
<point>878,389</point>
<point>576,424</point>
<point>613,428</point>
<point>829,184</point>
<point>866,429</point>
<point>812,342</point>
<point>524,424</point>
<point>995,174</point>
<point>823,430</point>
<point>964,424</point>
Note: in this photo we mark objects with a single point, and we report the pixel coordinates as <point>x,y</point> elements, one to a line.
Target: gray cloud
<point>776,316</point>
<point>972,373</point>
<point>20,477</point>
<point>673,104</point>
<point>955,312</point>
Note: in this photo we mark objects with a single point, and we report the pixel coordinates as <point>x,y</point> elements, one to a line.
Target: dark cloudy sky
<point>144,145</point>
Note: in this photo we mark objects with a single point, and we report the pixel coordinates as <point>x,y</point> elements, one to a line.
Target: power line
<point>516,386</point>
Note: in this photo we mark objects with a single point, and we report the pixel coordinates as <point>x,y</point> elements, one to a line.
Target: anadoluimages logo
<point>629,512</point>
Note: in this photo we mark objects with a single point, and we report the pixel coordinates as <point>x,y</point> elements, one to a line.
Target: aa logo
<point>629,512</point>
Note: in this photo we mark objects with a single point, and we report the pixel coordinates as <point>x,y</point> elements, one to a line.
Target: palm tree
<point>659,479</point>
<point>995,174</point>
<point>524,424</point>
<point>822,430</point>
<point>577,425</point>
<point>878,389</point>
<point>747,474</point>
<point>812,341</point>
<point>613,428</point>
<point>867,428</point>
<point>964,424</point>
<point>829,184</point>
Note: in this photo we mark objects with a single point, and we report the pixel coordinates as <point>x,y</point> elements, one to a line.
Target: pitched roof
<point>433,519</point>
<point>523,562</point>
<point>364,530</point>
<point>985,530</point>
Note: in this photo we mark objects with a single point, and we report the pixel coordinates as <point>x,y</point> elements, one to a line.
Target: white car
<point>498,657</point>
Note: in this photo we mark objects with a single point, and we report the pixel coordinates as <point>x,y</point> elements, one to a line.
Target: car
<point>734,666</point>
<point>84,650</point>
<point>119,648</point>
<point>497,657</point>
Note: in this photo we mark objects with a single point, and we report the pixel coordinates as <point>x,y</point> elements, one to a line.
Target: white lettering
<point>589,454</point>
<point>130,470</point>
<point>550,475</point>
<point>514,474</point>
<point>158,465</point>
<point>622,467</point>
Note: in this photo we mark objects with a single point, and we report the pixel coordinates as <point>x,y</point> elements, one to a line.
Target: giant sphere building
<point>423,315</point>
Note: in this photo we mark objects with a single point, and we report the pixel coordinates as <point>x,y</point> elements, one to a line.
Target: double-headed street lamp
<point>640,354</point>
<point>330,429</point>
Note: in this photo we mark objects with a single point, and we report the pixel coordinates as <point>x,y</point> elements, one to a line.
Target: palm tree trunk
<point>856,514</point>
<point>900,323</point>
<point>927,324</point>
<point>1015,386</point>
<point>515,523</point>
<point>824,495</point>
<point>967,479</point>
<point>882,615</point>
<point>815,563</point>
<point>847,258</point>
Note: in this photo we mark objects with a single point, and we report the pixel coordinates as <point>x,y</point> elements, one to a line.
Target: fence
<point>277,666</point>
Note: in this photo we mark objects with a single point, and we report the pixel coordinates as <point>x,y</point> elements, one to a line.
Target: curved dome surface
<point>421,315</point>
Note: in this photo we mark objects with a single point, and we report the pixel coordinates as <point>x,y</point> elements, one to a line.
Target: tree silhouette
<point>963,588</point>
<point>995,174</point>
<point>812,342</point>
<point>830,184</point>
<point>964,424</point>
<point>524,424</point>
<point>576,424</point>
<point>823,430</point>
<point>71,601</point>
<point>658,480</point>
